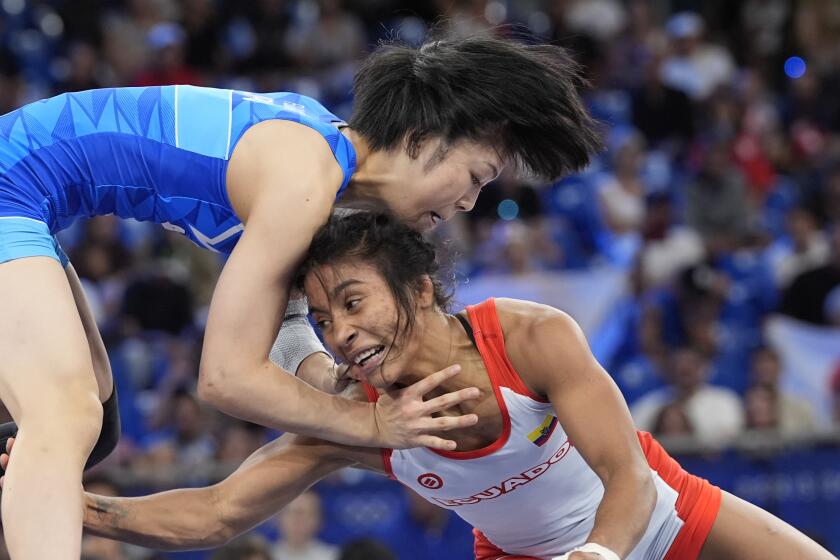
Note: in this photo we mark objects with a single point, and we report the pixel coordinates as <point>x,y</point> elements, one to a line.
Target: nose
<point>467,202</point>
<point>346,334</point>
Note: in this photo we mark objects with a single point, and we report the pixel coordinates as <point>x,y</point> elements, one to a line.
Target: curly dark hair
<point>399,253</point>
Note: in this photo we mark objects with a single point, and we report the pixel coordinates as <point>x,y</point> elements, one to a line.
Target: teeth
<point>366,354</point>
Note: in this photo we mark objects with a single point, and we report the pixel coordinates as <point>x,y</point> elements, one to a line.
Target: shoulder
<point>283,138</point>
<point>527,322</point>
<point>542,342</point>
<point>282,160</point>
<point>719,395</point>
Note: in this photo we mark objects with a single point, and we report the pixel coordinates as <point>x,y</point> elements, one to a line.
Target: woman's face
<point>359,318</point>
<point>435,186</point>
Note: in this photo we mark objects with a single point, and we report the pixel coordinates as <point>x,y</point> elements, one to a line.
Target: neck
<point>298,545</point>
<point>443,343</point>
<point>371,174</point>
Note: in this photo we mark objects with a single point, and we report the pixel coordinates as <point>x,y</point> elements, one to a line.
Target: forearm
<point>271,397</point>
<point>625,510</point>
<point>174,520</point>
<point>321,371</point>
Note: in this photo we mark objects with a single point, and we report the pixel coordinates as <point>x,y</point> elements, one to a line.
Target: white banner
<point>588,296</point>
<point>810,357</point>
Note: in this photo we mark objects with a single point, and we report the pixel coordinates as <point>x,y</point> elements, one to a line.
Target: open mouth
<point>369,355</point>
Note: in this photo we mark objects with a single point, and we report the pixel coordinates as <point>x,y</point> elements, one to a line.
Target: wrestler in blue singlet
<point>156,154</point>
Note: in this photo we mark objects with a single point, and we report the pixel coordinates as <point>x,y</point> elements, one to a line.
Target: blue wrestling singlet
<point>156,154</point>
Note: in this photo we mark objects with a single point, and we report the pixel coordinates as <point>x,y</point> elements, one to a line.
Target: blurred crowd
<point>717,192</point>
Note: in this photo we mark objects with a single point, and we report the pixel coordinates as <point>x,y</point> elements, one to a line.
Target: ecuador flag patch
<point>540,435</point>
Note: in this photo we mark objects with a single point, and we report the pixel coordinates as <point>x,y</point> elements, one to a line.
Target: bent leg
<point>48,384</point>
<point>743,531</point>
<point>98,354</point>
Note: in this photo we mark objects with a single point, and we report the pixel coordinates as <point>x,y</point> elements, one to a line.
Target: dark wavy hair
<point>400,254</point>
<point>523,99</point>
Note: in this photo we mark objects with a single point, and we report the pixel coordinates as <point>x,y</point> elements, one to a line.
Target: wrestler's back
<point>155,154</point>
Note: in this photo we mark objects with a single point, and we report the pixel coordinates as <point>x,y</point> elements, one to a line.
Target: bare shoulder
<point>278,156</point>
<point>540,341</point>
<point>523,320</point>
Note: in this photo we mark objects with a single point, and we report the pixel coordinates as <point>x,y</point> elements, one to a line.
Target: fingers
<point>446,423</point>
<point>451,399</point>
<point>4,461</point>
<point>434,442</point>
<point>9,443</point>
<point>424,386</point>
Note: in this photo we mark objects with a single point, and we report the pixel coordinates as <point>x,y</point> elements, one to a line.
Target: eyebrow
<point>336,292</point>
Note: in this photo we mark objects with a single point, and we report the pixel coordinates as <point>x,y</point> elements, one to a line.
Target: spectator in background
<point>770,406</point>
<point>125,37</point>
<point>366,549</point>
<point>158,299</point>
<point>11,83</point>
<point>299,523</point>
<point>643,370</point>
<point>433,532</point>
<point>807,298</point>
<point>715,413</point>
<point>806,247</point>
<point>642,40</point>
<point>757,144</point>
<point>672,421</point>
<point>102,261</point>
<point>83,72</point>
<point>203,27</point>
<point>695,67</point>
<point>717,206</point>
<point>167,64</point>
<point>238,441</point>
<point>669,246</point>
<point>513,247</point>
<point>600,19</point>
<point>184,447</point>
<point>829,202</point>
<point>662,113</point>
<point>762,409</point>
<point>257,39</point>
<point>622,192</point>
<point>463,18</point>
<point>334,40</point>
<point>248,547</point>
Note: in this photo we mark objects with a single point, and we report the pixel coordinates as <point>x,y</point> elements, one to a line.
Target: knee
<point>72,413</point>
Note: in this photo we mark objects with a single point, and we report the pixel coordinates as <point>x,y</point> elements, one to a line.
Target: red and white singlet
<point>530,493</point>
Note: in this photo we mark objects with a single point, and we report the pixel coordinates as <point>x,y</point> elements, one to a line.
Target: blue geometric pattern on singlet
<point>155,154</point>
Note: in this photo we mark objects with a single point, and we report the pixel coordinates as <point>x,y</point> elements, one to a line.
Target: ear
<point>426,296</point>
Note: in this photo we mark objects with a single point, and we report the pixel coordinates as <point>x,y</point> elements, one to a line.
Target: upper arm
<point>550,351</point>
<point>282,182</point>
